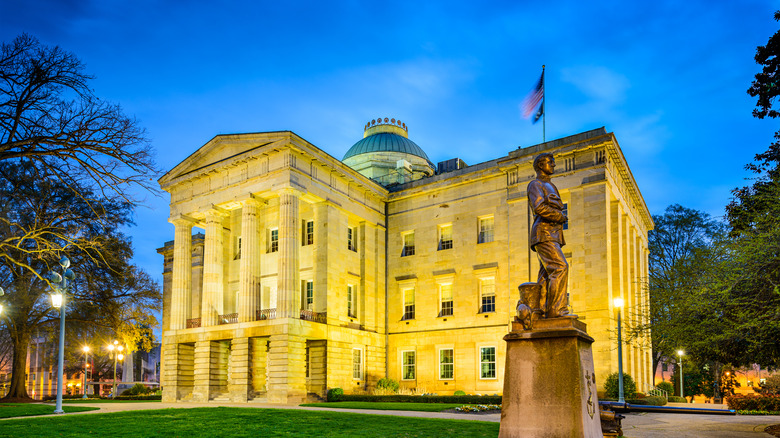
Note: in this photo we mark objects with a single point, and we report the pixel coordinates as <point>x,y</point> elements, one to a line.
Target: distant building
<point>313,273</point>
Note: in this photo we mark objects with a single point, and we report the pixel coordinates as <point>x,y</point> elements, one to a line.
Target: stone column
<point>238,386</point>
<point>286,374</point>
<point>249,267</point>
<point>288,301</point>
<point>201,391</point>
<point>213,269</point>
<point>320,255</point>
<point>181,277</point>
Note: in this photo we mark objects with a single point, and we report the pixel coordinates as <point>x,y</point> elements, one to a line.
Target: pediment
<point>224,151</point>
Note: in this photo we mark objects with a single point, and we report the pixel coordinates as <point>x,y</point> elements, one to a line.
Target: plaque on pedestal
<point>549,385</point>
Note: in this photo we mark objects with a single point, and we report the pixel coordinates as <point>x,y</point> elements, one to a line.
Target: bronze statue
<point>546,298</point>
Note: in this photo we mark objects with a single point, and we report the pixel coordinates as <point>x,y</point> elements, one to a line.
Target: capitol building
<point>292,272</point>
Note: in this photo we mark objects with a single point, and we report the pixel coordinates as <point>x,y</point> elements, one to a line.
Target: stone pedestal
<point>549,385</point>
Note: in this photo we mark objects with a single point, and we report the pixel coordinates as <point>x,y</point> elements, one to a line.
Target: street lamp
<point>680,353</point>
<point>119,356</point>
<point>59,285</point>
<point>618,303</point>
<point>86,366</point>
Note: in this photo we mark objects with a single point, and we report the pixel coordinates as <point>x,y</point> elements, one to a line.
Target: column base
<point>549,383</point>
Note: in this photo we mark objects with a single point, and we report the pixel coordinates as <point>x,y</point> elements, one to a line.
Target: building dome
<point>386,154</point>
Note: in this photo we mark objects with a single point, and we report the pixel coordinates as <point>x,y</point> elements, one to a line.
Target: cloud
<point>598,83</point>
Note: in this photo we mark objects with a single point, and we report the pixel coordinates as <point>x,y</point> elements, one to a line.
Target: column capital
<point>216,212</point>
<point>182,219</point>
<point>252,201</point>
<point>290,191</point>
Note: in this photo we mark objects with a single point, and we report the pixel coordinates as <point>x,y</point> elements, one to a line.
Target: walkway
<point>641,425</point>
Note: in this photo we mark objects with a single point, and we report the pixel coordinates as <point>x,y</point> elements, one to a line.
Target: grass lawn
<point>8,410</point>
<point>424,407</point>
<point>243,422</point>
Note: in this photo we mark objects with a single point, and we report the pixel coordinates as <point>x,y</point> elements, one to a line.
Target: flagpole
<point>544,109</point>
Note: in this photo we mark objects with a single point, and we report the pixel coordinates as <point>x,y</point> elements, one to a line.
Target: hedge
<point>460,399</point>
<point>677,399</point>
<point>119,397</point>
<point>138,397</point>
<point>754,402</point>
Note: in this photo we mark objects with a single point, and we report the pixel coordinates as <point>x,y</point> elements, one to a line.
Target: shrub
<point>640,395</point>
<point>611,386</point>
<point>677,399</point>
<point>138,397</point>
<point>666,386</point>
<point>655,401</point>
<point>137,389</point>
<point>459,399</point>
<point>637,401</point>
<point>335,394</point>
<point>388,384</point>
<point>459,392</point>
<point>754,402</point>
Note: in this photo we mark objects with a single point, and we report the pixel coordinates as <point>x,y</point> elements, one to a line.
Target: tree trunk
<point>18,389</point>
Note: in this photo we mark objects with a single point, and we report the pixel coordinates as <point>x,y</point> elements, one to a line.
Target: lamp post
<point>59,285</point>
<point>119,356</point>
<point>680,353</point>
<point>86,367</point>
<point>618,303</point>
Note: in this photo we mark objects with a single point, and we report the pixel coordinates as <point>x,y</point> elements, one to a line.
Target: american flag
<point>535,99</point>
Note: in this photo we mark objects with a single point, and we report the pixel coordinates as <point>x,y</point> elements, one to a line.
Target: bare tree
<point>50,116</point>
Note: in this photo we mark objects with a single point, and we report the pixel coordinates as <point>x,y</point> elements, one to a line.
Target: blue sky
<point>668,78</point>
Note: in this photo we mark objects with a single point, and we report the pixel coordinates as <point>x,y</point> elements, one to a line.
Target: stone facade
<point>309,275</point>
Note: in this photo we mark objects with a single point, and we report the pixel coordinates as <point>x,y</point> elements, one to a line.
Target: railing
<point>193,323</point>
<point>310,315</point>
<point>228,318</point>
<point>266,314</point>
<point>658,392</point>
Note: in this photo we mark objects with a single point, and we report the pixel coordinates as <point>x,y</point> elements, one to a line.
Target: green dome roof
<point>385,142</point>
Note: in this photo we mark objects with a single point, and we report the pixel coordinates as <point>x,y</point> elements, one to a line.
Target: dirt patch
<point>18,400</point>
<point>773,430</point>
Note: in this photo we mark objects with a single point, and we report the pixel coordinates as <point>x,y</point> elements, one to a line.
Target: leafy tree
<point>43,218</point>
<point>681,251</point>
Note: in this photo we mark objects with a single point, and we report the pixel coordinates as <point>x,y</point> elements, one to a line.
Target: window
<point>409,367</point>
<point>446,364</point>
<point>307,294</point>
<point>485,230</point>
<point>487,362</point>
<point>445,292</point>
<point>307,233</point>
<point>600,157</point>
<point>352,239</point>
<point>238,249</point>
<point>408,239</point>
<point>273,240</point>
<point>351,301</point>
<point>487,293</point>
<point>357,363</point>
<point>408,303</point>
<point>445,237</point>
<point>566,213</point>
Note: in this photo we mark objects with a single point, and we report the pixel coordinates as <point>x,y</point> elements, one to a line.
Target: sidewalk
<point>639,425</point>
